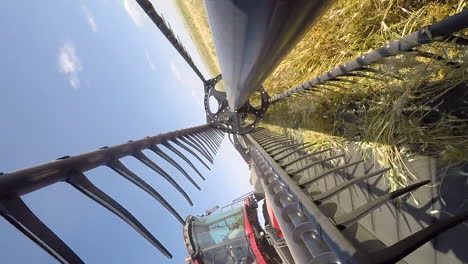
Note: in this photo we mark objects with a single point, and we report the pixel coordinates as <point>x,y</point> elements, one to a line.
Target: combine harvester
<point>306,220</point>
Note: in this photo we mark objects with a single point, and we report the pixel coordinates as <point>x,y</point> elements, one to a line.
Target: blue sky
<point>79,75</point>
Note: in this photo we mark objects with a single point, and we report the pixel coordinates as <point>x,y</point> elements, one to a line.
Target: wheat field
<point>391,119</point>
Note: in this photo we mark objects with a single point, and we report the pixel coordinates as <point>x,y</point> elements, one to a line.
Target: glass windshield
<point>217,228</point>
<point>221,238</point>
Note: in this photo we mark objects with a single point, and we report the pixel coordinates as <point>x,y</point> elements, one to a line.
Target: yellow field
<point>386,117</point>
<point>196,21</point>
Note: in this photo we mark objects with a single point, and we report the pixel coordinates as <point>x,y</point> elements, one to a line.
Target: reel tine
<point>347,219</point>
<point>148,162</point>
<point>341,187</point>
<point>15,211</point>
<point>166,157</point>
<point>118,167</point>
<point>299,170</point>
<point>178,153</point>
<point>82,184</point>
<point>402,248</point>
<point>178,143</point>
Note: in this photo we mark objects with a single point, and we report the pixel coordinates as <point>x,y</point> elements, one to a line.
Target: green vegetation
<point>416,108</point>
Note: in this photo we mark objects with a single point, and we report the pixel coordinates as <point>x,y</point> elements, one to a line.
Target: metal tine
<point>268,138</point>
<point>281,143</point>
<point>402,248</point>
<point>257,130</point>
<point>311,180</point>
<point>15,211</point>
<point>332,84</point>
<point>345,220</point>
<point>341,80</point>
<point>353,74</point>
<point>263,133</point>
<point>379,72</point>
<point>165,28</point>
<point>275,142</point>
<point>219,133</point>
<point>191,152</point>
<point>310,90</point>
<point>148,162</point>
<point>214,137</point>
<point>286,144</point>
<point>178,153</point>
<point>201,144</point>
<point>278,145</point>
<point>314,163</point>
<point>340,187</point>
<point>262,139</point>
<point>207,143</point>
<point>220,136</point>
<point>210,140</point>
<point>328,89</point>
<point>287,164</point>
<point>166,157</point>
<point>194,146</point>
<point>221,140</point>
<point>118,167</point>
<point>218,141</point>
<point>458,40</point>
<point>82,184</point>
<point>223,135</point>
<point>433,56</point>
<point>306,145</point>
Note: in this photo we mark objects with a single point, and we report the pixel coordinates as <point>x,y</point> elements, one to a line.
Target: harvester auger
<point>305,221</point>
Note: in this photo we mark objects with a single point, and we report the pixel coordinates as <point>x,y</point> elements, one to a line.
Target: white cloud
<point>149,60</point>
<point>175,70</point>
<point>89,18</point>
<point>189,81</point>
<point>69,63</point>
<point>134,11</point>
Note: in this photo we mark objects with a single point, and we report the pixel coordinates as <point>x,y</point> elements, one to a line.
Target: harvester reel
<point>240,121</point>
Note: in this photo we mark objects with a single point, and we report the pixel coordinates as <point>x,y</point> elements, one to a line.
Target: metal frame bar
<point>313,237</point>
<point>333,237</point>
<point>71,170</point>
<point>148,8</point>
<point>438,31</point>
<point>24,181</point>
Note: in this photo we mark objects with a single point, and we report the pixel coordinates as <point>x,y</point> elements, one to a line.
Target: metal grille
<point>312,235</point>
<point>201,142</point>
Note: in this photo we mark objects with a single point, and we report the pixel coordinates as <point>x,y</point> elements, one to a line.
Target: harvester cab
<point>232,236</point>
